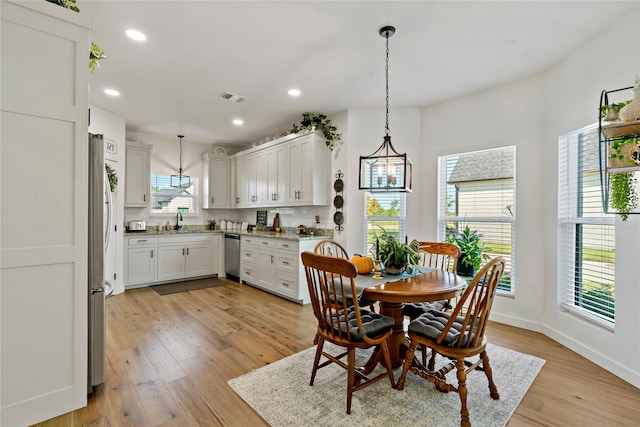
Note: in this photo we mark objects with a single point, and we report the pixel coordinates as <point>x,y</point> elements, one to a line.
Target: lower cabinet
<point>152,260</point>
<point>273,264</point>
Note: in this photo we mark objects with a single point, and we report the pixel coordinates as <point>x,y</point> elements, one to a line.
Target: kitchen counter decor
<point>338,202</point>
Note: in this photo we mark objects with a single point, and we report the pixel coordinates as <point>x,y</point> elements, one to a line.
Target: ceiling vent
<point>232,97</point>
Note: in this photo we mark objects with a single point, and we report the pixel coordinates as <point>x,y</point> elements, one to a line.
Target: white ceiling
<point>330,50</point>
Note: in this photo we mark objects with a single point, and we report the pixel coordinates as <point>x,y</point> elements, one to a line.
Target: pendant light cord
<point>386,69</point>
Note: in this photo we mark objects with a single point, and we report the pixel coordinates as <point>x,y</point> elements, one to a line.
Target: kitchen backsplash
<point>289,217</point>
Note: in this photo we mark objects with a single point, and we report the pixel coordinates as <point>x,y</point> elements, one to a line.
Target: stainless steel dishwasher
<point>232,256</point>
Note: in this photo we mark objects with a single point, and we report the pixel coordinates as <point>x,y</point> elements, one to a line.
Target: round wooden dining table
<point>434,285</point>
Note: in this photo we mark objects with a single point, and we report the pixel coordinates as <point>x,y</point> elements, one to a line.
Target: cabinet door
<point>198,259</point>
<point>137,179</point>
<point>255,187</point>
<point>300,176</point>
<point>275,176</point>
<point>171,262</point>
<point>266,268</point>
<point>216,244</point>
<point>242,182</point>
<point>141,265</point>
<point>216,190</point>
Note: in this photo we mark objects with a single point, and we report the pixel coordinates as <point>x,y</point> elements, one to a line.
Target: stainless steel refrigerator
<point>99,225</point>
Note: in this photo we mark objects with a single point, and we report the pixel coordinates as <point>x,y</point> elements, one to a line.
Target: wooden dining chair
<point>331,281</point>
<point>443,256</point>
<point>332,248</point>
<point>458,336</point>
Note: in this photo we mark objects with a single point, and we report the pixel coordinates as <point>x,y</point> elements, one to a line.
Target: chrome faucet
<point>178,218</point>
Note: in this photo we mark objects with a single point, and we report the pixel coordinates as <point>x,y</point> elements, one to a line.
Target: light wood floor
<point>169,358</point>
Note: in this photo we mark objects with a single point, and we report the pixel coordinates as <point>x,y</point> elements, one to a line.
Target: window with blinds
<point>386,210</point>
<point>169,200</point>
<point>477,189</point>
<point>586,235</point>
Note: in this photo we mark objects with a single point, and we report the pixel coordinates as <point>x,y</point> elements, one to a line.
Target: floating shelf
<point>622,129</point>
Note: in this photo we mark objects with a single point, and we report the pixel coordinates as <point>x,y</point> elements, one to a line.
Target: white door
<point>44,156</point>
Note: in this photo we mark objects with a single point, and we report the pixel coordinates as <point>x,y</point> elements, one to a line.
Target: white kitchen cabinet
<point>216,191</point>
<point>308,171</point>
<point>249,180</point>
<point>184,256</point>
<point>275,176</point>
<point>141,265</point>
<point>273,264</point>
<point>137,175</point>
<point>160,259</point>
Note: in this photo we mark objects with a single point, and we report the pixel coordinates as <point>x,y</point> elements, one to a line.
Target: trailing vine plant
<point>319,121</point>
<point>95,53</point>
<point>623,193</point>
<point>113,177</point>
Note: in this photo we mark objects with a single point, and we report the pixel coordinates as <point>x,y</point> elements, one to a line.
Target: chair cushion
<point>431,324</point>
<point>415,309</point>
<point>373,324</point>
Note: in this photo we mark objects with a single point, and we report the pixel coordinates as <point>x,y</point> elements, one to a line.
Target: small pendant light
<point>180,180</point>
<point>386,170</point>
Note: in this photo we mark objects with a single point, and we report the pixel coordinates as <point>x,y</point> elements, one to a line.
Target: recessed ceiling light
<point>294,92</point>
<point>136,35</point>
<point>112,92</point>
<point>238,122</point>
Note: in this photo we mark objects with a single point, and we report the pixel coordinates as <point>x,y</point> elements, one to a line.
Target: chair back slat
<point>443,256</point>
<point>474,306</point>
<point>331,285</point>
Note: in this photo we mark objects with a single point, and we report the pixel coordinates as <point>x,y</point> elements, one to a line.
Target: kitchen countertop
<point>190,229</point>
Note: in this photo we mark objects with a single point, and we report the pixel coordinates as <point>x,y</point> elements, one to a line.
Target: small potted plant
<point>471,251</point>
<point>394,255</point>
<point>212,223</point>
<point>312,121</point>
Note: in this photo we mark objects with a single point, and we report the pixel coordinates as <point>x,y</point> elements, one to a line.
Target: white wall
<point>531,114</point>
<point>113,128</point>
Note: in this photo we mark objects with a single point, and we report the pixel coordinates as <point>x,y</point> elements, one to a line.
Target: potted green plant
<point>623,193</point>
<point>95,55</point>
<point>472,250</point>
<point>212,223</point>
<point>113,177</point>
<point>394,255</point>
<point>312,121</point>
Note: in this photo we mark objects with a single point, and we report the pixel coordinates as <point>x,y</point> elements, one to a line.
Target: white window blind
<point>168,200</point>
<point>386,210</point>
<point>586,235</point>
<point>478,189</point>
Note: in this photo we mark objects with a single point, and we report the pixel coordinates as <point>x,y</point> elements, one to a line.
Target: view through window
<point>169,200</point>
<point>476,189</point>
<point>384,211</point>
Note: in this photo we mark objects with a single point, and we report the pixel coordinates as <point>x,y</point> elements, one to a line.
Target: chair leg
<point>387,362</point>
<point>316,359</point>
<point>493,390</point>
<point>351,374</point>
<point>411,352</point>
<point>462,391</point>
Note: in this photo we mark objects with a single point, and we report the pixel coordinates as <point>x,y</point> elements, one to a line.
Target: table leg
<point>398,341</point>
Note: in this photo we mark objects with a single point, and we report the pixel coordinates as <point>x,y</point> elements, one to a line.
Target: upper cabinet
<point>216,191</point>
<point>308,171</point>
<point>293,171</point>
<point>137,175</point>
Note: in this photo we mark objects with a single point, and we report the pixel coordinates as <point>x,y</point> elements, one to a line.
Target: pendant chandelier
<point>180,180</point>
<point>386,170</point>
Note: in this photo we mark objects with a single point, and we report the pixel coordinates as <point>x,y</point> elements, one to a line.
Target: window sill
<point>592,318</point>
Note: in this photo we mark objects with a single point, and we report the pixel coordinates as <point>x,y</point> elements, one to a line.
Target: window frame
<point>401,218</point>
<point>195,199</point>
<point>571,224</point>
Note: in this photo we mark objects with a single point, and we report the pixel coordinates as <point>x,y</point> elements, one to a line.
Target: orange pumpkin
<point>364,264</point>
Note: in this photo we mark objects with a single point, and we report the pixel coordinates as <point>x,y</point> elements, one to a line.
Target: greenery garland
<point>311,121</point>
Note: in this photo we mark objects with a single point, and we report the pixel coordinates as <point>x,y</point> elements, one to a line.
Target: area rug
<point>192,285</point>
<point>281,394</point>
